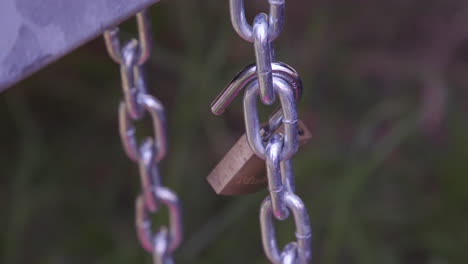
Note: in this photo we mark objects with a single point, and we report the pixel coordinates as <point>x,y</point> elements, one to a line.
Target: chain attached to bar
<point>152,150</point>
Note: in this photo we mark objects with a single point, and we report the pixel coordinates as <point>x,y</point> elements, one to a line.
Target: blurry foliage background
<point>384,177</point>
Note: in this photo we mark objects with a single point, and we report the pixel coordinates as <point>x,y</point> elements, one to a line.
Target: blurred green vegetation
<point>384,178</point>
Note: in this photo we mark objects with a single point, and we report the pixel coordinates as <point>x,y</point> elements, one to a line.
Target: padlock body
<point>241,171</point>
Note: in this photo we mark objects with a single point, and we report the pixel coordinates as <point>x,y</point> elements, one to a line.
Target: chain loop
<point>275,184</point>
<point>303,229</point>
<point>287,176</point>
<point>132,80</point>
<point>240,25</point>
<point>127,129</point>
<point>143,221</point>
<point>149,174</point>
<point>252,123</point>
<point>144,43</point>
<point>263,54</point>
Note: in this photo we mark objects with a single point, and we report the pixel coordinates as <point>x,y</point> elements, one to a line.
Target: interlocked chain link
<point>276,149</point>
<point>265,29</point>
<point>152,150</point>
<point>239,22</point>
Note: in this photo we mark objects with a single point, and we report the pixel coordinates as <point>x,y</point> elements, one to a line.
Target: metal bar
<point>36,33</point>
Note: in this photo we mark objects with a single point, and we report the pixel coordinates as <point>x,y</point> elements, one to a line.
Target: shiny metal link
<point>275,18</point>
<point>240,25</point>
<point>114,48</point>
<point>143,221</point>
<point>149,174</point>
<point>275,184</point>
<point>280,175</point>
<point>263,54</point>
<point>127,129</point>
<point>303,230</point>
<point>287,175</point>
<point>252,122</point>
<point>133,83</point>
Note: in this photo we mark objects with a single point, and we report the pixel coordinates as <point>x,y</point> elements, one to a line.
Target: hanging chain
<point>152,150</point>
<point>277,149</point>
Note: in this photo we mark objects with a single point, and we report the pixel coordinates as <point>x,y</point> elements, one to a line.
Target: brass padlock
<point>241,171</point>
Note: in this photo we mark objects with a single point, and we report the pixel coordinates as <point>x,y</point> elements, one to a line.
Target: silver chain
<point>152,150</point>
<point>280,147</point>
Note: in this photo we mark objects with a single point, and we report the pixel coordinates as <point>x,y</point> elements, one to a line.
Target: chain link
<point>275,185</point>
<point>289,119</point>
<point>152,150</point>
<point>264,56</point>
<point>144,40</point>
<point>143,220</point>
<point>127,130</point>
<point>303,230</point>
<point>275,21</point>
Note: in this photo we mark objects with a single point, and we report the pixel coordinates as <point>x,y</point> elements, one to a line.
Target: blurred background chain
<point>131,58</point>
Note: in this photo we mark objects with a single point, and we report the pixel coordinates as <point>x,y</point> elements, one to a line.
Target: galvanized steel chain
<point>152,150</point>
<point>276,149</point>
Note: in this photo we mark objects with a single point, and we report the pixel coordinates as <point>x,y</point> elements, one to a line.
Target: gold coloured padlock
<point>241,171</point>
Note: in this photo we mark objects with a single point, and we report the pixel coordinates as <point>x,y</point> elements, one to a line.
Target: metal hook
<point>249,74</point>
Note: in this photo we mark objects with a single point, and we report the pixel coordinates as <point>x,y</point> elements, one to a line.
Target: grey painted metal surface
<point>34,33</point>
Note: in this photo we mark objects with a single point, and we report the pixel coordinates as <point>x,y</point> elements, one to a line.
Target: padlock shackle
<point>249,74</point>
